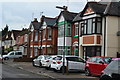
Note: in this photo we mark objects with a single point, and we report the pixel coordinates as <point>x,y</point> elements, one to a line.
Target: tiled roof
<point>77,18</point>
<point>49,21</point>
<point>15,33</point>
<point>69,16</point>
<point>35,24</point>
<point>113,9</point>
<point>24,31</point>
<point>96,7</point>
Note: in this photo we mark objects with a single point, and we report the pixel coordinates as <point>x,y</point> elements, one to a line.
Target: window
<point>44,33</point>
<point>25,39</point>
<point>36,36</point>
<point>61,50</point>
<point>89,26</point>
<point>18,53</point>
<point>49,33</point>
<point>99,59</point>
<point>60,30</point>
<point>93,60</point>
<point>31,36</point>
<point>35,51</point>
<point>92,26</point>
<point>69,30</point>
<point>90,51</point>
<point>76,29</point>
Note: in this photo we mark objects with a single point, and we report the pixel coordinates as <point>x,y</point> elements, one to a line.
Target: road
<point>13,73</point>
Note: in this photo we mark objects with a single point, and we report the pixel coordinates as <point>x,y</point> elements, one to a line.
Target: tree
<point>5,30</point>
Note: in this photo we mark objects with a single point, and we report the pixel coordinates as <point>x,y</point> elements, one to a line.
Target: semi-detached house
<point>64,23</point>
<point>49,35</point>
<point>99,29</point>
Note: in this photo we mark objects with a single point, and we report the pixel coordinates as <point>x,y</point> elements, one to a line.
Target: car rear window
<point>57,58</point>
<point>46,57</point>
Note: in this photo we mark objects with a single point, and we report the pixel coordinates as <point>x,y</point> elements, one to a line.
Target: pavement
<point>27,66</point>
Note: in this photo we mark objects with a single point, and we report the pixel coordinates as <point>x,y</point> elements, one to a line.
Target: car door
<point>80,64</point>
<point>38,60</point>
<point>11,55</point>
<point>91,64</point>
<point>73,63</point>
<point>100,66</point>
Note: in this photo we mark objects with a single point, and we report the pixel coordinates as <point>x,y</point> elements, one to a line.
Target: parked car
<point>47,63</point>
<point>13,54</point>
<point>95,65</point>
<point>39,61</point>
<point>74,63</point>
<point>112,71</point>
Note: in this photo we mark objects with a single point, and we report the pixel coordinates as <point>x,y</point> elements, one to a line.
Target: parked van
<point>13,54</point>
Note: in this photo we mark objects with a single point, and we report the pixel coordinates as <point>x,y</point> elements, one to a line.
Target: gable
<point>88,11</point>
<point>32,28</point>
<point>44,25</point>
<point>61,18</point>
<point>12,36</point>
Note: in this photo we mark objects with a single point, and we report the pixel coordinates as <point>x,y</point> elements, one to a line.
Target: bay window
<point>92,26</point>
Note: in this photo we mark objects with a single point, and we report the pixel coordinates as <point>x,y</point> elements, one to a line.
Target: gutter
<point>104,34</point>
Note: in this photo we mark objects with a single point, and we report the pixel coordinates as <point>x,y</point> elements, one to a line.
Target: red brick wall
<point>74,39</point>
<point>98,39</point>
<point>88,40</point>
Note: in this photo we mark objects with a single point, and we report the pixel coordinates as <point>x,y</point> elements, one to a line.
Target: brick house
<point>98,24</point>
<point>10,39</point>
<point>34,36</point>
<point>48,39</point>
<point>64,23</point>
<point>22,41</point>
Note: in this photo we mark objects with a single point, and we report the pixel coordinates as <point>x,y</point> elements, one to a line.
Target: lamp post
<point>64,8</point>
<point>41,40</point>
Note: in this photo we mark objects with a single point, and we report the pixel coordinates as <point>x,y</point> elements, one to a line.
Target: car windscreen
<point>107,60</point>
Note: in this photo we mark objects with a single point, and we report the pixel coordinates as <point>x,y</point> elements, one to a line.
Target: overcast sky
<point>18,14</point>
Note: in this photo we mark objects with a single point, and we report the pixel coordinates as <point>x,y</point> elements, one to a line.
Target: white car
<point>13,54</point>
<point>40,60</point>
<point>48,61</point>
<point>74,63</point>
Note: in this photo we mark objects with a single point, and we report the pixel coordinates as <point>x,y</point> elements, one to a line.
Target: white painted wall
<point>67,41</point>
<point>112,24</point>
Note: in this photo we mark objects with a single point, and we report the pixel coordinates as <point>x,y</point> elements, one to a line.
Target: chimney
<point>35,20</point>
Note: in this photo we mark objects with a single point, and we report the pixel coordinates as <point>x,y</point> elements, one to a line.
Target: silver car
<point>40,60</point>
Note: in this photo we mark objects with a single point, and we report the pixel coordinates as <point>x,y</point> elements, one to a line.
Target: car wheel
<point>40,64</point>
<point>33,63</point>
<point>61,69</point>
<point>105,78</point>
<point>87,72</point>
<point>6,58</point>
<point>54,70</point>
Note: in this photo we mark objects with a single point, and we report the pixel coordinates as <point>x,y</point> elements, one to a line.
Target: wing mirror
<point>101,62</point>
